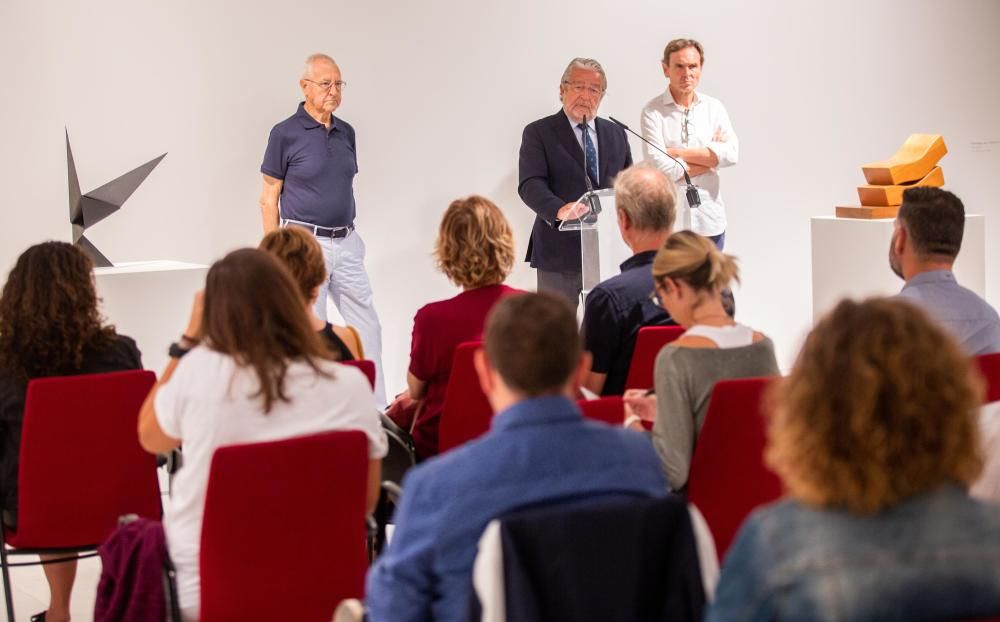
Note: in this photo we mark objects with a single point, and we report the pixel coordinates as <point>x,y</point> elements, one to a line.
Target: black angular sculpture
<point>86,210</point>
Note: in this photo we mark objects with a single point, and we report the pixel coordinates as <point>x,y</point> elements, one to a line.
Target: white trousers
<point>348,288</point>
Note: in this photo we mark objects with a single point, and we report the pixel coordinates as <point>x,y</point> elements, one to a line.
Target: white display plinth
<point>150,301</point>
<point>850,258</point>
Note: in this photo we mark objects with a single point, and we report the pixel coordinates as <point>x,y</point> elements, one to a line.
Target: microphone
<point>693,199</point>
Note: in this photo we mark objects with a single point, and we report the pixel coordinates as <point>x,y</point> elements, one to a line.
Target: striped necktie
<point>589,153</point>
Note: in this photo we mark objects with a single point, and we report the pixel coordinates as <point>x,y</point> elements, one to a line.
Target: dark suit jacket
<point>550,175</point>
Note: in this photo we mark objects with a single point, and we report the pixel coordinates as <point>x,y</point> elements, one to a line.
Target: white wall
<point>439,93</point>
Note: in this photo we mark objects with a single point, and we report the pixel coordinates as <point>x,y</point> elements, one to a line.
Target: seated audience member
<point>925,244</point>
<point>256,371</point>
<point>49,326</point>
<point>690,274</point>
<point>539,451</point>
<point>299,251</point>
<point>475,250</point>
<point>617,308</point>
<point>874,436</point>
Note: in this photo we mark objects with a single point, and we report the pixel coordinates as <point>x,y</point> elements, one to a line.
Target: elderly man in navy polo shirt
<point>617,308</point>
<point>309,167</point>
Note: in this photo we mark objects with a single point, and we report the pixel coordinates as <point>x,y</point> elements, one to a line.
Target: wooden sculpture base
<point>867,212</point>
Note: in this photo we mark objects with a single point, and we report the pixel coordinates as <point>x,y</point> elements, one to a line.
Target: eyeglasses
<point>579,87</point>
<point>326,85</point>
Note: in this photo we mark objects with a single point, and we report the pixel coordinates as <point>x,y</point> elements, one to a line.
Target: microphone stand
<point>693,198</point>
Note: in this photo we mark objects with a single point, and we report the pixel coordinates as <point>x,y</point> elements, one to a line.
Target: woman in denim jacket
<point>874,436</point>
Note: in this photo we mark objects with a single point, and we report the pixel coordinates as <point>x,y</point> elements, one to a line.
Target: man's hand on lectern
<point>572,211</point>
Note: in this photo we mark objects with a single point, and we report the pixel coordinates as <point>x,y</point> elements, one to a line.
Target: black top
<point>614,312</point>
<point>336,343</point>
<point>121,355</point>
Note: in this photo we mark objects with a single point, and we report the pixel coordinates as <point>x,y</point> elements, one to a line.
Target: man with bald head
<point>309,168</point>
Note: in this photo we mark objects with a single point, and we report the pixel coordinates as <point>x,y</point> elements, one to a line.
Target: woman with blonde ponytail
<point>689,276</point>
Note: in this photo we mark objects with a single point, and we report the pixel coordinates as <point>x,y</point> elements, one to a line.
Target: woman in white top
<point>689,276</point>
<point>253,370</point>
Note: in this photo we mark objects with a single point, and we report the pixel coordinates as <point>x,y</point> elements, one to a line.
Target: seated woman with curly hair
<point>300,253</point>
<point>475,250</point>
<point>49,326</point>
<point>874,436</point>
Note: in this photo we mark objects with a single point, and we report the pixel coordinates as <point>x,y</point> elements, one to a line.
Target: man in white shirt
<point>695,129</point>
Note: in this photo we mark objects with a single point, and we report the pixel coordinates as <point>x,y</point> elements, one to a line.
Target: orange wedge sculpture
<point>914,164</point>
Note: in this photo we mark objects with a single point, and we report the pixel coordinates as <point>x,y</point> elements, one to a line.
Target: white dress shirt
<point>663,124</point>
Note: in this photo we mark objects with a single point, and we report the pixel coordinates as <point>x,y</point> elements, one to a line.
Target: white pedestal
<point>150,301</point>
<point>850,258</point>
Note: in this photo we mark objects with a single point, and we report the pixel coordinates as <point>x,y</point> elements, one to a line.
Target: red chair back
<point>283,536</point>
<point>466,413</point>
<point>610,410</point>
<point>989,367</point>
<point>367,368</point>
<point>81,465</point>
<point>728,477</point>
<point>648,344</point>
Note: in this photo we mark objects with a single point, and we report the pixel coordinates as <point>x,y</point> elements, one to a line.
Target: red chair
<point>648,344</point>
<point>81,466</point>
<point>367,368</point>
<point>466,413</point>
<point>283,536</point>
<point>610,410</point>
<point>728,477</point>
<point>989,367</point>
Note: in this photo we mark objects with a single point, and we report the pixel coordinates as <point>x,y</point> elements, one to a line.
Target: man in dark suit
<point>555,151</point>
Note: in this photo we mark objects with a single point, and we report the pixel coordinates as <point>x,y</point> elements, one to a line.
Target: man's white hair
<point>585,63</point>
<point>315,58</point>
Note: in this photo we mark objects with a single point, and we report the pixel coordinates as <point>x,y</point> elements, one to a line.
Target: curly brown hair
<point>48,313</point>
<point>879,407</point>
<point>301,254</point>
<point>475,245</point>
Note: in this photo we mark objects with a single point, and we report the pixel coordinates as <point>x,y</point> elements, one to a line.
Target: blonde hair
<point>695,260</point>
<point>299,252</point>
<point>879,407</point>
<point>475,244</point>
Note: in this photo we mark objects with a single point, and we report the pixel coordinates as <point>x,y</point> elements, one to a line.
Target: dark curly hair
<point>48,313</point>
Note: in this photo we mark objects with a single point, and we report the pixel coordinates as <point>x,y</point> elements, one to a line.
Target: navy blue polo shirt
<point>614,312</point>
<point>317,166</point>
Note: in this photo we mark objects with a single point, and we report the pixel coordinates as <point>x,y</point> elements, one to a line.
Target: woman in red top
<point>475,250</point>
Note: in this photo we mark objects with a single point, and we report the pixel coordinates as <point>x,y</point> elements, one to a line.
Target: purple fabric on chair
<point>131,586</point>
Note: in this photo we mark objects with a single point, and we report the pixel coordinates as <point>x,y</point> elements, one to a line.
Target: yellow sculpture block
<point>872,196</point>
<point>914,160</point>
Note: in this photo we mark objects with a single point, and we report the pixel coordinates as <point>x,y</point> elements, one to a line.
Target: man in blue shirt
<point>925,243</point>
<point>539,451</point>
<point>309,167</point>
<point>617,308</point>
